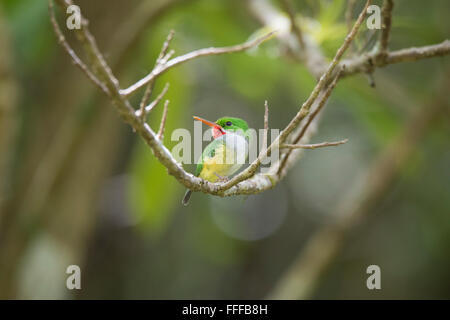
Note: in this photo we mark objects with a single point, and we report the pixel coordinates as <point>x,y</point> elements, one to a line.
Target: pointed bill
<point>207,122</point>
<point>217,130</point>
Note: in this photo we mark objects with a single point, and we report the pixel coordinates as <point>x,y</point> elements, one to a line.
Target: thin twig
<point>147,109</point>
<point>314,145</point>
<point>144,15</point>
<point>310,54</point>
<point>320,105</point>
<point>368,62</point>
<point>98,63</point>
<point>303,275</point>
<point>247,182</point>
<point>386,12</point>
<point>287,5</point>
<point>162,126</point>
<point>310,119</point>
<point>349,13</point>
<point>167,57</point>
<point>371,79</point>
<point>165,46</point>
<point>147,93</point>
<point>124,41</point>
<point>75,59</point>
<point>414,54</point>
<point>190,56</point>
<point>304,110</point>
<point>368,41</point>
<point>162,58</point>
<point>266,120</point>
<point>61,152</point>
<point>266,126</point>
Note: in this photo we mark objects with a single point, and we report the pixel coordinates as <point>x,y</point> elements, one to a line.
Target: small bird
<point>225,154</point>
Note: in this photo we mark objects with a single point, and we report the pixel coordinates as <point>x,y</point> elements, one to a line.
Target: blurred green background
<point>79,187</point>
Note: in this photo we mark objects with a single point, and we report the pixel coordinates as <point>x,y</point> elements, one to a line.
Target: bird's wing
<point>209,152</point>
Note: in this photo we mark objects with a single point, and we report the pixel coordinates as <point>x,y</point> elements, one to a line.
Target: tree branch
<point>142,112</point>
<point>304,110</point>
<point>367,62</point>
<point>349,13</point>
<point>160,134</point>
<point>75,59</point>
<point>312,116</point>
<point>386,11</point>
<point>191,56</point>
<point>128,113</point>
<point>302,276</point>
<point>247,182</point>
<point>315,145</point>
<point>161,58</point>
<point>266,127</point>
<point>287,5</point>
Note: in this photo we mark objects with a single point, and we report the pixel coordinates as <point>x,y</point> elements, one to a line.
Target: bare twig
<point>247,182</point>
<point>147,93</point>
<point>162,126</point>
<point>75,59</point>
<point>128,114</point>
<point>304,110</point>
<point>287,5</point>
<point>310,54</point>
<point>367,62</point>
<point>266,126</point>
<point>162,58</point>
<point>314,145</point>
<point>367,42</point>
<point>311,118</point>
<point>326,76</point>
<point>414,54</point>
<point>386,12</point>
<point>142,16</point>
<point>190,56</point>
<point>165,46</point>
<point>349,13</point>
<point>266,120</point>
<point>167,57</point>
<point>153,104</point>
<point>371,79</point>
<point>98,62</point>
<point>302,277</point>
<point>61,149</point>
<point>57,155</point>
<point>320,105</point>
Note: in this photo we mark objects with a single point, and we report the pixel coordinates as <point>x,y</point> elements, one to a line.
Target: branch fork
<point>248,181</point>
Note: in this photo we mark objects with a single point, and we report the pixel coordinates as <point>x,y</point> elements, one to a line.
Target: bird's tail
<point>186,198</point>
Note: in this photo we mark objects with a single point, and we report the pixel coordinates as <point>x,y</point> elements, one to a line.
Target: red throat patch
<point>217,131</point>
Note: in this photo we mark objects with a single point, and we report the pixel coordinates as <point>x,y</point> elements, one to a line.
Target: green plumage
<point>209,152</point>
<point>210,165</point>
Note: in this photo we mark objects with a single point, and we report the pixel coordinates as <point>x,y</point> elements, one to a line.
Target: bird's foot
<point>221,179</point>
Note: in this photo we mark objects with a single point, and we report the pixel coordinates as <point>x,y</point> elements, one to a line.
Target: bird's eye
<point>228,123</point>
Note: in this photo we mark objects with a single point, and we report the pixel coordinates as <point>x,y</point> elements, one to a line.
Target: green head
<point>226,124</point>
<point>233,124</point>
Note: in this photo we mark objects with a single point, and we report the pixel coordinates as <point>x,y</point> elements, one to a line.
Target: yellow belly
<point>211,170</point>
<point>219,165</point>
